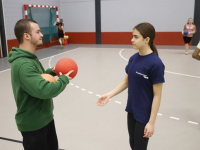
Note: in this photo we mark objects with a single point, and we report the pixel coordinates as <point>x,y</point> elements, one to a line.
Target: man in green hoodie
<point>33,94</point>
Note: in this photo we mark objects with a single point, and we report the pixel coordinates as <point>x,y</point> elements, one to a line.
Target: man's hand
<point>70,78</point>
<point>54,69</point>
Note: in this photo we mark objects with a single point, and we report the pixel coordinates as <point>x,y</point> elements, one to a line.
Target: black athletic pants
<point>136,133</point>
<point>42,139</point>
<point>187,39</point>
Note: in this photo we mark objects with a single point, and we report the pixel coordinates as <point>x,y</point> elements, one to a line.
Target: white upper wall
<point>78,15</point>
<point>13,11</point>
<point>164,15</point>
<point>116,15</point>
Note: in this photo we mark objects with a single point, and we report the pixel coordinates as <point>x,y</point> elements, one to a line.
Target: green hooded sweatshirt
<point>33,94</point>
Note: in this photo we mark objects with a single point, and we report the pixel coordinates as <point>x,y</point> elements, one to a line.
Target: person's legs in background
<point>186,48</point>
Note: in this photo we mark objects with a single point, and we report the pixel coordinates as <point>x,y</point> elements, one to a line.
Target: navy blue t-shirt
<point>143,72</point>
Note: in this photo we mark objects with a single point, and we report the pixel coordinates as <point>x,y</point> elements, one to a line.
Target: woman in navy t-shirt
<point>144,80</point>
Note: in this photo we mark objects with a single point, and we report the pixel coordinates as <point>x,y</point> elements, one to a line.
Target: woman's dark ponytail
<point>154,48</point>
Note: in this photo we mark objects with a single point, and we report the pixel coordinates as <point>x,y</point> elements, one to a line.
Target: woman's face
<point>190,21</point>
<point>137,40</point>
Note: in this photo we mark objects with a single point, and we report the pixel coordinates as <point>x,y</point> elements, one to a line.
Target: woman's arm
<point>184,28</point>
<point>157,91</point>
<point>194,31</point>
<point>118,89</point>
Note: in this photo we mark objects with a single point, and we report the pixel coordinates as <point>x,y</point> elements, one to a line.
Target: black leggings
<point>42,139</point>
<point>136,133</point>
<point>187,39</point>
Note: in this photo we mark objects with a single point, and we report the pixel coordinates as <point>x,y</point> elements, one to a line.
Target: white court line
<point>50,61</point>
<point>98,95</point>
<point>159,114</point>
<point>193,122</point>
<point>47,58</point>
<point>90,92</point>
<point>4,70</point>
<point>118,102</point>
<point>60,54</point>
<point>120,53</point>
<point>174,118</point>
<point>182,74</point>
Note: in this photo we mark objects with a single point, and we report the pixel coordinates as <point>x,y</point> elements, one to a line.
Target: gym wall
<point>79,20</point>
<point>13,11</point>
<point>118,17</point>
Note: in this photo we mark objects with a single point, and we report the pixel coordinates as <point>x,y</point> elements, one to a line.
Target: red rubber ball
<point>65,65</point>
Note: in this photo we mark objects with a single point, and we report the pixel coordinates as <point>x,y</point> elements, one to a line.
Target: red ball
<point>65,65</point>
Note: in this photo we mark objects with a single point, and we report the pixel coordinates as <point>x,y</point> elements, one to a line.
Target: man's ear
<point>26,36</point>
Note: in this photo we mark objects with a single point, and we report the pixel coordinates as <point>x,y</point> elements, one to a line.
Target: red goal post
<point>42,6</point>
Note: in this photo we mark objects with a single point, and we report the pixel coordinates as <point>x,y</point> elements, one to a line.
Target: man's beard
<point>34,42</point>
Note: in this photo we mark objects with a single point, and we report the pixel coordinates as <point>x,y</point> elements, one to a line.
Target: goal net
<point>45,16</point>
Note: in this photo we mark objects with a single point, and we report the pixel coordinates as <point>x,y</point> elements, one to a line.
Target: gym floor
<point>80,124</point>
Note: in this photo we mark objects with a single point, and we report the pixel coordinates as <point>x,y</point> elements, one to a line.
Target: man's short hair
<point>23,26</point>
